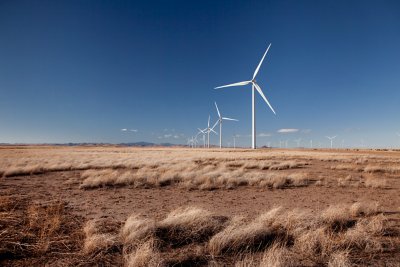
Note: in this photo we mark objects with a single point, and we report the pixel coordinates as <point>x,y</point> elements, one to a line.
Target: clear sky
<point>81,71</point>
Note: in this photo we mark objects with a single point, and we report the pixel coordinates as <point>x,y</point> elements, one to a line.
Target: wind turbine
<point>234,141</point>
<point>398,134</point>
<point>191,142</point>
<point>208,130</point>
<point>203,132</point>
<point>254,86</point>
<point>331,138</point>
<point>298,142</point>
<point>311,146</point>
<point>220,119</point>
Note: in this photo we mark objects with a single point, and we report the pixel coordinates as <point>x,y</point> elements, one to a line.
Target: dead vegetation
<point>194,237</point>
<point>341,235</point>
<point>201,169</point>
<point>43,232</point>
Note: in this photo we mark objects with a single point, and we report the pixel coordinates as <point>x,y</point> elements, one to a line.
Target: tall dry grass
<point>340,235</point>
<point>36,231</point>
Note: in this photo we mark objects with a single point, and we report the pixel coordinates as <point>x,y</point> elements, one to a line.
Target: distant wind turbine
<point>254,86</point>
<point>219,121</point>
<point>311,146</point>
<point>331,138</point>
<point>191,142</point>
<point>208,130</point>
<point>398,134</point>
<point>298,142</point>
<point>203,132</point>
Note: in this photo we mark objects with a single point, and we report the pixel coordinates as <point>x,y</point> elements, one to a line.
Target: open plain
<point>120,206</point>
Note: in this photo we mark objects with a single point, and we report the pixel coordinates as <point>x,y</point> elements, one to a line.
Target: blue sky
<point>80,71</point>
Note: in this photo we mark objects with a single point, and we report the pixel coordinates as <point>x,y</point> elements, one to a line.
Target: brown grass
<point>341,235</point>
<point>189,236</point>
<point>95,241</point>
<point>375,182</point>
<point>144,255</point>
<point>393,169</point>
<point>339,259</point>
<point>36,230</point>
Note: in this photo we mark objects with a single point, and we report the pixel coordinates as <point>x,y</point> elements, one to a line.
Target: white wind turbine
<point>203,132</point>
<point>254,86</point>
<point>298,142</point>
<point>191,142</point>
<point>331,138</point>
<point>398,134</point>
<point>219,121</point>
<point>208,130</point>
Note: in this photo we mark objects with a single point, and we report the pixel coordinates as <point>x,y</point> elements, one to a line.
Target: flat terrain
<point>52,196</point>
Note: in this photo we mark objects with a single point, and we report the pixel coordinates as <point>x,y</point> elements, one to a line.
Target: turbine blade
<point>229,119</point>
<point>219,114</point>
<point>259,65</point>
<point>213,131</point>
<point>233,84</point>
<point>208,121</point>
<point>215,124</point>
<point>263,96</point>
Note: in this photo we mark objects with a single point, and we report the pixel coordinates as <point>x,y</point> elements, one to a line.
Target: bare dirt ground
<point>108,184</point>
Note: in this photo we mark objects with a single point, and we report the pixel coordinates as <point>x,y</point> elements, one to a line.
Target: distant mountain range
<point>135,144</point>
<point>147,144</point>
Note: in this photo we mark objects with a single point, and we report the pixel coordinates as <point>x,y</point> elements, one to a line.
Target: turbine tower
<point>254,86</point>
<point>331,138</point>
<point>219,121</point>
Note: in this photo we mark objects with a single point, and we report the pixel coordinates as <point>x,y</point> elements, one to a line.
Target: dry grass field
<point>116,206</point>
